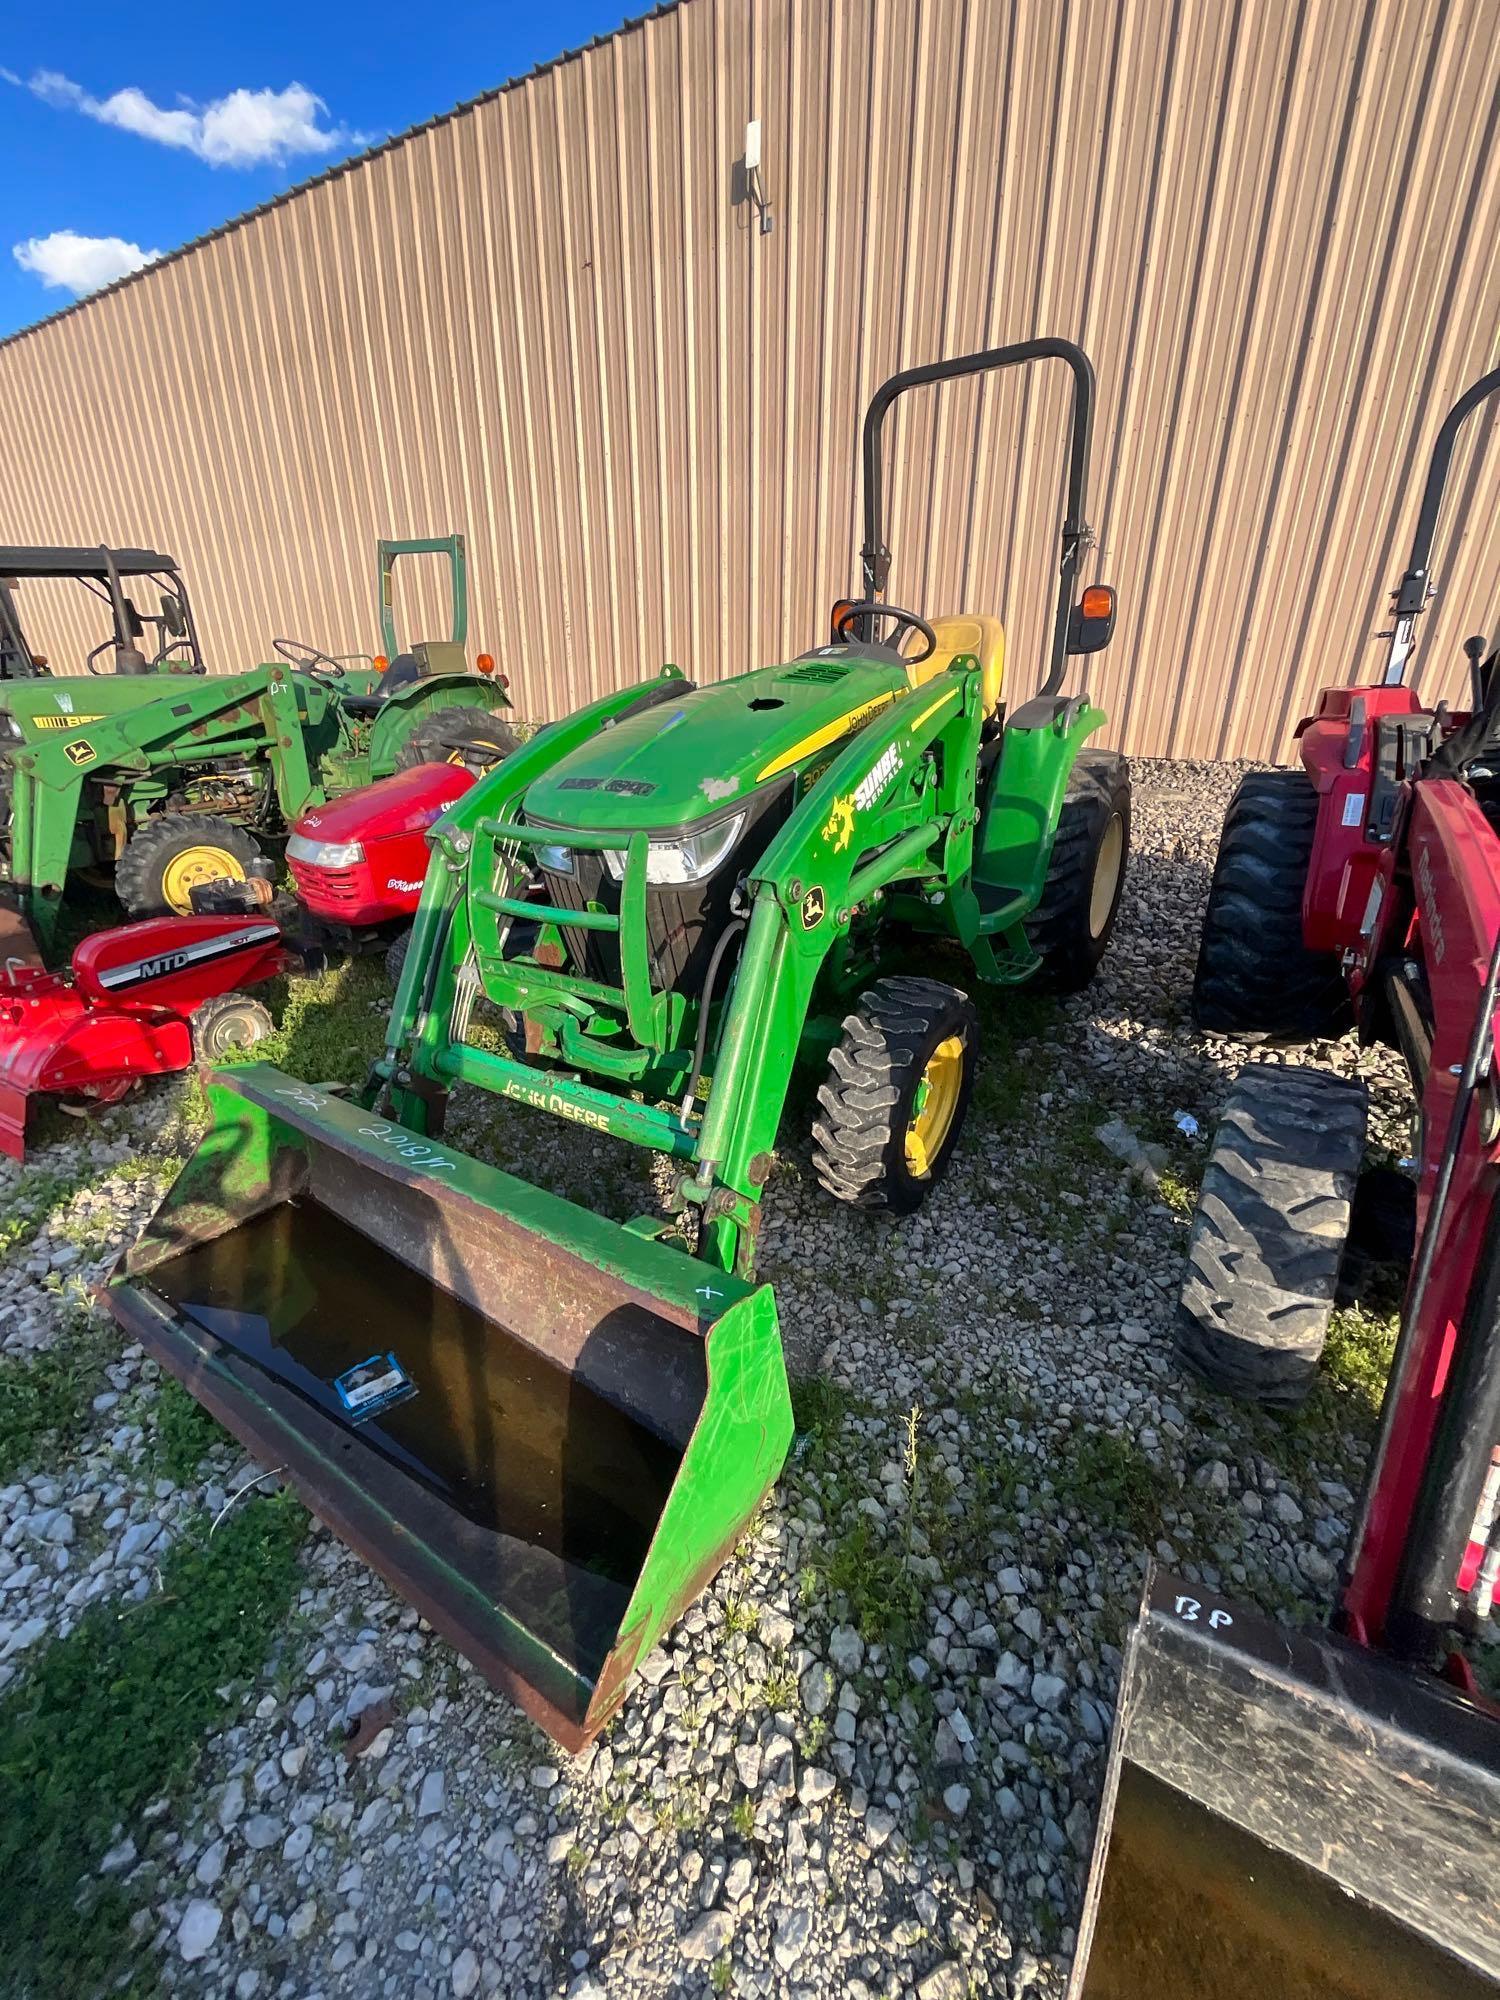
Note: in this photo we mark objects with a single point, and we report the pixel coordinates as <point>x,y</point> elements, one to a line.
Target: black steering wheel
<point>312,658</point>
<point>904,621</point>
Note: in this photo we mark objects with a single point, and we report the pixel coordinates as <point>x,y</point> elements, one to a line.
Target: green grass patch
<point>1343,1408</point>
<point>1109,1478</point>
<point>41,1199</point>
<point>46,1398</point>
<point>1012,1069</point>
<point>36,1200</point>
<point>332,1026</point>
<point>1357,1359</point>
<point>185,1434</point>
<point>1179,1191</point>
<point>113,1717</point>
<point>820,1408</point>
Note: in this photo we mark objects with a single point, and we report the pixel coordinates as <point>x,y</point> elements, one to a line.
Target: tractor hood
<point>696,751</point>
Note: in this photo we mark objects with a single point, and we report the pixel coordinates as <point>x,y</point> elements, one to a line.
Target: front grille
<point>682,924</point>
<point>342,888</point>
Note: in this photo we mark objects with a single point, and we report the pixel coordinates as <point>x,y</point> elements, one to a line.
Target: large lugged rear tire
<point>897,1093</point>
<point>472,737</point>
<point>1256,980</point>
<point>1071,926</point>
<point>167,857</point>
<point>1268,1233</point>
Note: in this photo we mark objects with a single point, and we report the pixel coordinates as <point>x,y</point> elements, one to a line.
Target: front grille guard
<point>493,910</point>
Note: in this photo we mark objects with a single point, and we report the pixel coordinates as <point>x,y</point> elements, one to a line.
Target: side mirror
<point>133,623</point>
<point>1092,623</point>
<point>172,617</point>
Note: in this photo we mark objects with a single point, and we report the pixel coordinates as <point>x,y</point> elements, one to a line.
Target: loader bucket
<point>1287,1816</point>
<point>545,1430</point>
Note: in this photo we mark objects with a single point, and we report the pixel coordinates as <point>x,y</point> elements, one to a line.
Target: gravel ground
<point>867,1761</point>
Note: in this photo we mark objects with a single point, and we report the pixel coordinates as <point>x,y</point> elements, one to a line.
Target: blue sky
<point>128,132</point>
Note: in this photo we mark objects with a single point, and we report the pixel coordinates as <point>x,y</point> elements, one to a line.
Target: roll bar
<point>875,557</point>
<point>1416,587</point>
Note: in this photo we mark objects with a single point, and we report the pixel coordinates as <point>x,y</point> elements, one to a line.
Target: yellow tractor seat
<point>966,632</point>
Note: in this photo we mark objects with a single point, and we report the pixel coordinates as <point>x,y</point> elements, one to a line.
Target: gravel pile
<point>867,1761</point>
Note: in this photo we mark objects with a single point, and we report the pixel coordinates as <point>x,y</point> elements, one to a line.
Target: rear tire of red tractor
<point>1072,925</point>
<point>470,737</point>
<point>1256,980</point>
<point>168,856</point>
<point>897,1093</point>
<point>229,1021</point>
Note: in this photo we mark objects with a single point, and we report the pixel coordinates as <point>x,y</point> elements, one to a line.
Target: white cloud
<point>78,264</point>
<point>244,128</point>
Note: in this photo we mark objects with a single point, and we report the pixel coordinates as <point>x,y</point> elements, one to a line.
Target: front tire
<point>1071,927</point>
<point>1267,1239</point>
<point>169,856</point>
<point>1256,980</point>
<point>897,1093</point>
<point>472,738</point>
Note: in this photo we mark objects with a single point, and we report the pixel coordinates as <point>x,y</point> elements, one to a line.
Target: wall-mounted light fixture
<point>755,191</point>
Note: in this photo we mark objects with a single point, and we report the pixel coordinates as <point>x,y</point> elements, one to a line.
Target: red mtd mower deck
<point>1298,1814</point>
<point>139,1001</point>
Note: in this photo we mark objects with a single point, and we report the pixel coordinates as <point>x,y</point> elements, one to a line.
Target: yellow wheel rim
<point>934,1106</point>
<point>1106,874</point>
<point>191,869</point>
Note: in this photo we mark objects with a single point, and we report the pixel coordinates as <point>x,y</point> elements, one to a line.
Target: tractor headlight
<point>556,860</point>
<point>689,858</point>
<point>10,730</point>
<point>325,853</point>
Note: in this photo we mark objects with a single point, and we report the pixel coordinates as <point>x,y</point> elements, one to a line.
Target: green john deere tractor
<point>171,776</point>
<point>550,1429</point>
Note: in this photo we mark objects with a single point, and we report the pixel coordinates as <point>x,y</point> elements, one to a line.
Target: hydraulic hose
<point>711,979</point>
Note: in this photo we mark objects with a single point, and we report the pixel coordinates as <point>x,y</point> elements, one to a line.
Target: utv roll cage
<point>102,571</point>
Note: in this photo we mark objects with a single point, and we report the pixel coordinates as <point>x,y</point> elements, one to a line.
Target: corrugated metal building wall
<point>546,320</point>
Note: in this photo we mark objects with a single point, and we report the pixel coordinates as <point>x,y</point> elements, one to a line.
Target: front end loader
<point>1312,1812</point>
<point>550,1429</point>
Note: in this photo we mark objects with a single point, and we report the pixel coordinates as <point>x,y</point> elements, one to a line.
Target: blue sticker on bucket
<point>373,1385</point>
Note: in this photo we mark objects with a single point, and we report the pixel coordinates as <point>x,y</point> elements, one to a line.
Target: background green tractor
<point>173,777</point>
<point>670,898</point>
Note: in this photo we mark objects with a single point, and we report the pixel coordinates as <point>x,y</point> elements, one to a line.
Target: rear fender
<point>1337,743</point>
<point>1018,824</point>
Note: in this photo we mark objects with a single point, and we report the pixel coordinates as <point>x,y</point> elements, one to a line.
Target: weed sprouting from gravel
<point>185,1434</point>
<point>1109,1478</point>
<point>1011,1021</point>
<point>46,1398</point>
<point>113,1716</point>
<point>820,1409</point>
<point>1356,1360</point>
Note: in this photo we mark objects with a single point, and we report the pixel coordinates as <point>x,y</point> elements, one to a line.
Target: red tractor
<point>1295,1812</point>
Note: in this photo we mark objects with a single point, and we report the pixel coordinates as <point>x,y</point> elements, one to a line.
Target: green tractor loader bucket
<point>1288,1816</point>
<point>544,1429</point>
